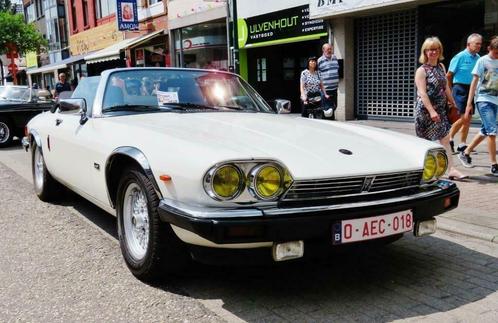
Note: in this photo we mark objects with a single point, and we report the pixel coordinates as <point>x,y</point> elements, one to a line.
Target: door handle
<point>58,122</point>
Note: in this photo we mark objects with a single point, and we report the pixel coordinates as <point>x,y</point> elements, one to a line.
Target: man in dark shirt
<point>62,85</point>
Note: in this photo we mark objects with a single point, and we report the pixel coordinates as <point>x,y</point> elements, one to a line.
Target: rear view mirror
<point>282,106</point>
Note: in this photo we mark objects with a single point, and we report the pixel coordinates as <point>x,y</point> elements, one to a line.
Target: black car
<point>18,104</point>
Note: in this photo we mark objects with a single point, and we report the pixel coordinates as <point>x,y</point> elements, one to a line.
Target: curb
<point>467,229</point>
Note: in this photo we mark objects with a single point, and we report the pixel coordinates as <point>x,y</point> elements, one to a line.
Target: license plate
<point>373,227</point>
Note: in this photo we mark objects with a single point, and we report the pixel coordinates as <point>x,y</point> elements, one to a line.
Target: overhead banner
<point>280,27</point>
<point>31,60</point>
<point>127,15</point>
<point>329,8</point>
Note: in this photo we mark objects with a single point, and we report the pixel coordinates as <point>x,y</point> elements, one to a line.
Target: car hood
<point>309,148</point>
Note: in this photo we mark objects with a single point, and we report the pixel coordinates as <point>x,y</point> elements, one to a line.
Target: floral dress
<point>436,85</point>
<point>311,83</point>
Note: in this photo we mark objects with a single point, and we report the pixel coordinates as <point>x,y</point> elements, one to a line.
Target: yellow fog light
<point>442,164</point>
<point>268,181</point>
<point>227,182</point>
<point>429,167</point>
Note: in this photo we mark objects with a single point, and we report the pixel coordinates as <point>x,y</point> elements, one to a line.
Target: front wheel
<point>46,187</point>
<point>6,132</point>
<point>149,246</point>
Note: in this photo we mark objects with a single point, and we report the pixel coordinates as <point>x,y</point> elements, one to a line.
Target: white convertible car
<point>195,164</point>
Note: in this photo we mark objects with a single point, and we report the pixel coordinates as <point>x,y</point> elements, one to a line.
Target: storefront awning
<point>55,66</point>
<point>112,52</point>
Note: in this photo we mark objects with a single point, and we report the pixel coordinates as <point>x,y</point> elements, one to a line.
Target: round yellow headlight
<point>442,164</point>
<point>227,181</point>
<point>429,167</point>
<point>268,182</point>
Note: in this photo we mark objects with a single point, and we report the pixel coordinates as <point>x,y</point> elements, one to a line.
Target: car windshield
<point>176,90</point>
<point>15,93</point>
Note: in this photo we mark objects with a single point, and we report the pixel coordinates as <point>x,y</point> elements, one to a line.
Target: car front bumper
<point>252,225</point>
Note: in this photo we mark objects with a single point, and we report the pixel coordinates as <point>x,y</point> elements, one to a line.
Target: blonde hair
<point>429,42</point>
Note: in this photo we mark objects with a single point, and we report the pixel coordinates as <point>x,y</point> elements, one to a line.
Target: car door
<point>72,147</point>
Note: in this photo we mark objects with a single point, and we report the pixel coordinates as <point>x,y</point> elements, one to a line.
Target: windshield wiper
<point>186,106</point>
<point>231,107</point>
<point>132,107</point>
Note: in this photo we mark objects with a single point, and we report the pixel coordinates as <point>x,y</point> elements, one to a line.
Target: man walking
<point>459,77</point>
<point>328,69</point>
<point>485,80</point>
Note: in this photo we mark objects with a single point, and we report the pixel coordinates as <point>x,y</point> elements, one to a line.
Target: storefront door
<point>275,71</point>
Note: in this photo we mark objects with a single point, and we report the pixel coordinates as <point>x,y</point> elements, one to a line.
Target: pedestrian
<point>484,88</point>
<point>62,85</point>
<point>433,92</point>
<point>311,86</point>
<point>459,77</point>
<point>328,69</point>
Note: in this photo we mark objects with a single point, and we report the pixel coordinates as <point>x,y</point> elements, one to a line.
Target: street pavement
<point>61,263</point>
<point>477,213</point>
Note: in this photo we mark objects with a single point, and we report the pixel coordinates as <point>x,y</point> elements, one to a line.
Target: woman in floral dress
<point>433,92</point>
<point>310,85</point>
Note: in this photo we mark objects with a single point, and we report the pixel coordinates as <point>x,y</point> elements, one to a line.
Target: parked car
<point>18,104</point>
<point>204,167</point>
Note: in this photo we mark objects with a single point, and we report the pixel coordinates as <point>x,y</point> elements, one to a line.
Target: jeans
<point>488,112</point>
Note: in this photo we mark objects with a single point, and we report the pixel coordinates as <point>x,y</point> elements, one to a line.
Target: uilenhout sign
<point>328,8</point>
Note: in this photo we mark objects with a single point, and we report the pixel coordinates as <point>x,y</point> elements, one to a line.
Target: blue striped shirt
<point>328,68</point>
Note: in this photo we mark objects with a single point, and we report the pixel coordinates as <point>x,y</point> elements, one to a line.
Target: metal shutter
<point>386,61</point>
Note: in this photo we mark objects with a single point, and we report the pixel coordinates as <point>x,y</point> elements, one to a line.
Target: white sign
<point>164,98</point>
<point>328,8</point>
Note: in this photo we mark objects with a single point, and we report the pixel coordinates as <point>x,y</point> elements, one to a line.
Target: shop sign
<point>31,60</point>
<point>328,8</point>
<point>127,15</point>
<point>94,39</point>
<point>283,26</point>
<point>201,42</point>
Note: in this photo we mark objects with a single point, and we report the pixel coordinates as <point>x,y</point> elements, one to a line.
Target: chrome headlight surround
<point>439,157</point>
<point>247,192</point>
<point>209,182</point>
<point>252,181</point>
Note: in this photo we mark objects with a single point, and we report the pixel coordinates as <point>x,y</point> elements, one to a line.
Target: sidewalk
<point>477,213</point>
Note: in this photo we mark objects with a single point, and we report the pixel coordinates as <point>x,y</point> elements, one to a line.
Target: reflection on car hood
<point>309,148</point>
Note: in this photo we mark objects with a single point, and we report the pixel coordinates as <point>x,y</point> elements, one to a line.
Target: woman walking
<point>433,93</point>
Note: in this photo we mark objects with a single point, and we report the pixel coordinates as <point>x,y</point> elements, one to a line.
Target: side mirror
<point>74,105</point>
<point>282,106</point>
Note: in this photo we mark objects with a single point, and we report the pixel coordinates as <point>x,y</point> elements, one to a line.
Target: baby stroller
<point>312,108</point>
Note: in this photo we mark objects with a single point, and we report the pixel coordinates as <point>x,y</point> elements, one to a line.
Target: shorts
<point>461,94</point>
<point>488,112</point>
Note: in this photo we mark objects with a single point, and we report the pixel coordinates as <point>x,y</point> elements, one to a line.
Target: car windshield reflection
<point>171,90</point>
<point>15,93</point>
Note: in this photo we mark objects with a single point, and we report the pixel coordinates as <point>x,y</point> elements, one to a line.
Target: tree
<point>6,6</point>
<point>13,30</point>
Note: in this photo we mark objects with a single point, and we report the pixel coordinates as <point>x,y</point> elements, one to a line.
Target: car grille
<point>352,186</point>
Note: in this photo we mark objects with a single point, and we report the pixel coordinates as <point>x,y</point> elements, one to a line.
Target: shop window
<point>261,69</point>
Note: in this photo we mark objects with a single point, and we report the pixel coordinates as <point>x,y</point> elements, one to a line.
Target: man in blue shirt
<point>484,87</point>
<point>459,77</point>
<point>328,69</point>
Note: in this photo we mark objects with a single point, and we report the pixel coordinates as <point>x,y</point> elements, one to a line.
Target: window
<point>85,13</point>
<point>40,8</point>
<point>104,8</point>
<point>30,13</point>
<point>261,69</point>
<point>73,13</point>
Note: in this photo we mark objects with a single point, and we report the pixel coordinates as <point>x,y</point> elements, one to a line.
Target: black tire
<point>164,253</point>
<point>46,187</point>
<point>6,132</point>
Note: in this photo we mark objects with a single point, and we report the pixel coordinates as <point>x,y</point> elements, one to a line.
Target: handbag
<point>452,113</point>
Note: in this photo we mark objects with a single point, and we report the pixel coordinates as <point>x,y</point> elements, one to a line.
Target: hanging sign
<point>127,15</point>
<point>281,26</point>
<point>330,8</point>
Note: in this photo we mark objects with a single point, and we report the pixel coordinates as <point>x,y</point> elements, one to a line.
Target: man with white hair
<point>459,78</point>
<point>328,69</point>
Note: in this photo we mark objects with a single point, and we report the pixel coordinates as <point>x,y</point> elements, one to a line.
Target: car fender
<point>36,138</point>
<point>134,154</point>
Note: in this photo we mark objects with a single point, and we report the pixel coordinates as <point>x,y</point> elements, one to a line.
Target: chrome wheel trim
<point>38,166</point>
<point>136,221</point>
<point>4,132</point>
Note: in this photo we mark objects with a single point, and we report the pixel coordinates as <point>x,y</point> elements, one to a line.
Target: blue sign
<point>127,15</point>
